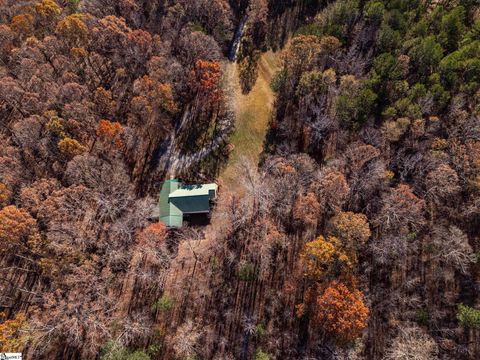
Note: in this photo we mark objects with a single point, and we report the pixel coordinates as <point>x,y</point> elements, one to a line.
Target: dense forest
<point>355,234</point>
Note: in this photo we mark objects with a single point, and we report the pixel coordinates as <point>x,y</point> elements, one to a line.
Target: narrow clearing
<point>253,112</point>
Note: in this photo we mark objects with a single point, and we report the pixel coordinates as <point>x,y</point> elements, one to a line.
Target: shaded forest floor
<point>253,112</point>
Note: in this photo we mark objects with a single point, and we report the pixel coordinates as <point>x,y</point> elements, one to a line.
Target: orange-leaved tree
<point>154,234</point>
<point>22,24</point>
<point>206,78</point>
<point>341,312</point>
<point>13,334</point>
<point>110,132</point>
<point>153,97</point>
<point>16,226</point>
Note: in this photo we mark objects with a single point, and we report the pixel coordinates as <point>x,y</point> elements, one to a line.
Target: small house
<point>179,201</point>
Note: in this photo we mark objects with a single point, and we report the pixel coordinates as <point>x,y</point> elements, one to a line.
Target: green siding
<point>176,217</point>
<point>170,215</point>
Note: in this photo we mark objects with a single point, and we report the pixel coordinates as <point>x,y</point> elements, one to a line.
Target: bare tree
<point>185,340</point>
<point>452,248</point>
<point>442,184</point>
<point>412,343</point>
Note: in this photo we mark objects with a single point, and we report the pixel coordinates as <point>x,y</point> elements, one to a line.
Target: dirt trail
<point>253,112</point>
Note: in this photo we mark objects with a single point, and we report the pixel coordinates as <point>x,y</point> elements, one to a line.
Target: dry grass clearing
<point>253,113</point>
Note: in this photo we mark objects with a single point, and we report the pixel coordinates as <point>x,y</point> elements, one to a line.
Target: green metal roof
<point>194,190</point>
<point>192,204</point>
<point>177,199</point>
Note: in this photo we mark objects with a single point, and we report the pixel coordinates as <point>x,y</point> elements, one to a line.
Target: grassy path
<point>253,113</point>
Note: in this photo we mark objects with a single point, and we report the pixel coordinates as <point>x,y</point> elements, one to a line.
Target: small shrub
<point>260,355</point>
<point>113,351</point>
<point>260,331</point>
<point>422,316</point>
<point>154,349</point>
<point>468,317</point>
<point>165,303</point>
<point>389,113</point>
<point>278,80</point>
<point>138,355</point>
<point>246,271</point>
<point>412,236</point>
<point>196,26</point>
<point>215,264</point>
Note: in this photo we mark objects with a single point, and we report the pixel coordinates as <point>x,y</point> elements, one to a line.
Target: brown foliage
<point>248,71</point>
<point>153,96</point>
<point>305,51</point>
<point>103,100</point>
<point>359,154</point>
<point>33,196</point>
<point>76,310</point>
<point>61,73</point>
<point>306,210</point>
<point>467,157</point>
<point>5,195</point>
<point>47,9</point>
<point>6,40</point>
<point>73,28</point>
<point>351,228</point>
<point>333,190</point>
